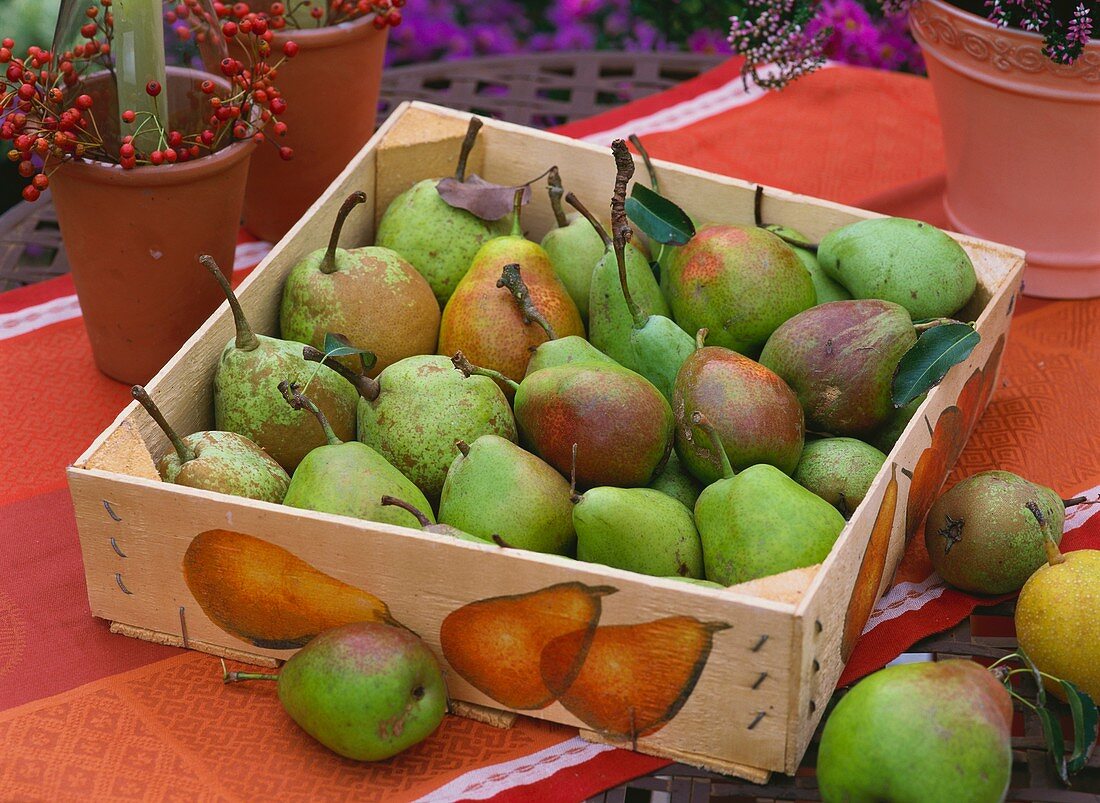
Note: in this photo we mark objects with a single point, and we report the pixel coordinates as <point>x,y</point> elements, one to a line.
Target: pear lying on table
<point>217,461</point>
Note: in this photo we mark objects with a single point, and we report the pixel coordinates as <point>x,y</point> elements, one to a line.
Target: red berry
<point>290,49</point>
<point>280,128</point>
<point>26,91</point>
<point>126,151</point>
<point>193,151</point>
<point>207,137</point>
<point>55,95</point>
<point>171,156</point>
<point>229,29</point>
<point>230,67</point>
<point>379,22</point>
<point>26,169</point>
<point>88,30</point>
<point>14,73</point>
<point>91,12</point>
<point>286,153</point>
<point>5,55</point>
<point>8,42</point>
<point>240,10</point>
<point>40,182</point>
<point>30,193</point>
<point>394,18</point>
<point>128,164</point>
<point>316,13</point>
<point>84,102</point>
<point>156,157</point>
<point>153,88</point>
<point>240,132</point>
<point>175,139</point>
<point>128,116</point>
<point>258,137</point>
<point>278,9</point>
<point>207,87</point>
<point>277,105</point>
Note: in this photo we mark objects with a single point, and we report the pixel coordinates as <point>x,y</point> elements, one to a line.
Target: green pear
<point>839,470</point>
<point>427,525</point>
<point>565,350</point>
<point>650,343</point>
<point>439,240</point>
<point>366,690</point>
<point>247,400</point>
<point>574,247</point>
<point>675,481</point>
<point>217,461</point>
<point>989,533</point>
<point>695,581</point>
<point>917,733</point>
<point>826,288</point>
<point>369,295</point>
<point>347,479</point>
<point>908,262</point>
<point>760,522</point>
<point>611,316</point>
<point>496,488</point>
<point>637,529</point>
<point>839,359</point>
<point>738,282</point>
<point>418,407</point>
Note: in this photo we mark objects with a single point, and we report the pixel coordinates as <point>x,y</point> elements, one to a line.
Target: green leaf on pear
<point>927,362</point>
<point>661,220</point>
<point>339,346</point>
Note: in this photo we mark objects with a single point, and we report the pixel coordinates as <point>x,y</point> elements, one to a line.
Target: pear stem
<point>328,263</point>
<point>368,388</point>
<point>467,147</point>
<point>701,338</point>
<point>574,497</point>
<point>468,369</point>
<point>620,227</point>
<point>600,230</point>
<point>246,338</point>
<point>415,511</point>
<point>294,397</point>
<point>237,677</point>
<point>463,447</point>
<point>511,279</point>
<point>556,191</point>
<point>701,421</point>
<point>1077,500</point>
<point>517,205</point>
<point>185,452</point>
<point>1054,555</point>
<point>636,141</point>
<point>758,219</point>
<point>932,324</point>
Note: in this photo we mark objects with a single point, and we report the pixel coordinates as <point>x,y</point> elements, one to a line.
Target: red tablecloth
<point>88,715</point>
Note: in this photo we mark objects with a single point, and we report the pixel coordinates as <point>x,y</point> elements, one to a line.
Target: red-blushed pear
<point>757,417</point>
<point>495,644</point>
<point>217,461</point>
<point>916,733</point>
<point>370,295</point>
<point>482,319</point>
<point>840,359</point>
<point>366,691</point>
<point>740,282</point>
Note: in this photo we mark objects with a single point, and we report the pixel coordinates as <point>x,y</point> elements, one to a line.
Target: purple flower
<point>708,41</point>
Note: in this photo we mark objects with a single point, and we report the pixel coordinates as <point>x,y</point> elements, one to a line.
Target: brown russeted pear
<point>840,359</point>
<point>217,461</point>
<point>988,533</point>
<point>418,407</point>
<point>246,390</point>
<point>482,319</point>
<point>439,240</point>
<point>427,525</point>
<point>624,422</point>
<point>370,295</point>
<point>740,283</point>
<point>494,487</point>
<point>909,262</point>
<point>757,416</point>
<point>347,479</point>
<point>495,644</point>
<point>839,470</point>
<point>760,522</point>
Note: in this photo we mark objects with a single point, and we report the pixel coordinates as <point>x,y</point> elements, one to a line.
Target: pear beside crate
<point>748,705</point>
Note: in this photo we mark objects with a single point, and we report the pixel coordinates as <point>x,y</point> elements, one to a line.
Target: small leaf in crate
<point>660,219</point>
<point>1086,720</point>
<point>926,364</point>
<point>481,198</point>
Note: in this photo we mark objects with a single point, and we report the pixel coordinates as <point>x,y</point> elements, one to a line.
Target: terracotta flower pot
<point>1022,140</point>
<point>133,238</point>
<point>331,88</point>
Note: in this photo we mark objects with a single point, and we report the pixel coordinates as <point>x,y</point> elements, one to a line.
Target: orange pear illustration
<point>495,643</point>
<point>932,466</point>
<point>871,569</point>
<point>267,596</point>
<point>633,678</point>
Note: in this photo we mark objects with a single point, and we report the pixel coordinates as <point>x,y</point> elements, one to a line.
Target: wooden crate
<point>746,705</point>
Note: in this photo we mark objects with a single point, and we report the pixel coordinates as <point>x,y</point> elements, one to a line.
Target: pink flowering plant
<point>784,39</point>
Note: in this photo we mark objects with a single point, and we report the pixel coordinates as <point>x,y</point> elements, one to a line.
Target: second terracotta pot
<point>331,88</point>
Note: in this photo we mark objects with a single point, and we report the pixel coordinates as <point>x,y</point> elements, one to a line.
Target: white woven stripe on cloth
<point>65,308</point>
<point>484,783</point>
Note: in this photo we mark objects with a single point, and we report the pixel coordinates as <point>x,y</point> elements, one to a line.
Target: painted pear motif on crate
<point>496,644</point>
<point>978,389</point>
<point>269,597</point>
<point>871,569</point>
<point>633,679</point>
<point>932,466</point>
